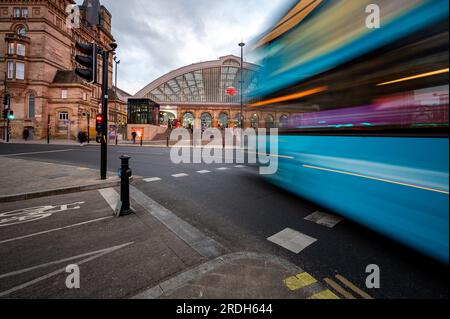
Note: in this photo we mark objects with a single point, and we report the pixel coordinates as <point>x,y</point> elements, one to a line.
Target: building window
<point>63,116</point>
<point>64,94</point>
<point>24,12</point>
<point>10,70</point>
<point>31,106</point>
<point>20,71</point>
<point>254,121</point>
<point>206,120</point>
<point>11,48</point>
<point>22,31</point>
<point>16,12</point>
<point>223,120</point>
<point>20,49</point>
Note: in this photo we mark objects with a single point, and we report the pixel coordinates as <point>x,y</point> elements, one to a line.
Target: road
<point>239,209</point>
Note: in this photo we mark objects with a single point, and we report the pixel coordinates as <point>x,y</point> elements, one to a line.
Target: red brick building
<point>37,50</point>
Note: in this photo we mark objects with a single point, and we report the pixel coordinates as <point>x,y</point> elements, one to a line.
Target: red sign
<point>232,91</point>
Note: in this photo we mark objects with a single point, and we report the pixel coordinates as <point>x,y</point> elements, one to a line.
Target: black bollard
<point>141,141</point>
<point>168,141</point>
<point>125,175</point>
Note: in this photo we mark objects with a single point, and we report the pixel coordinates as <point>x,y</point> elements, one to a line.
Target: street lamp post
<point>242,45</point>
<point>115,97</point>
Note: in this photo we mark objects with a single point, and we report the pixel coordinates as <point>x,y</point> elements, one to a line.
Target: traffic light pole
<point>104,133</point>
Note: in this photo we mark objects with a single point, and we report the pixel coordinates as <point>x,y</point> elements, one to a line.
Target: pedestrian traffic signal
<point>10,114</point>
<point>99,123</point>
<point>88,59</point>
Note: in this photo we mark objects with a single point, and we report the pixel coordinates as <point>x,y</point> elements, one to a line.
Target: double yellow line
<point>304,280</point>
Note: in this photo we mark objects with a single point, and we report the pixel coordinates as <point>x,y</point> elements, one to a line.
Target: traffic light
<point>6,100</point>
<point>99,123</point>
<point>11,115</point>
<point>88,59</point>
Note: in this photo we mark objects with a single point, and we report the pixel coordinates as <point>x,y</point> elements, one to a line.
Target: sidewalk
<point>30,179</point>
<point>164,256</point>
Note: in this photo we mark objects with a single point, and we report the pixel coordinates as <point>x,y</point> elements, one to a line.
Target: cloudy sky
<point>157,36</point>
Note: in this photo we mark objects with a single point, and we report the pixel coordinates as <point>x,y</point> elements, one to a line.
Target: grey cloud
<point>157,36</point>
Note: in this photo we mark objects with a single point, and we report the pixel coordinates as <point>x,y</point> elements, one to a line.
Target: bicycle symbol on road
<point>32,214</point>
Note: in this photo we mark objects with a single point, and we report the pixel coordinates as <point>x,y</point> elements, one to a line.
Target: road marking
<point>180,175</point>
<point>54,230</point>
<point>98,254</point>
<point>353,287</point>
<point>32,214</point>
<point>338,288</point>
<point>300,281</point>
<point>35,153</point>
<point>377,179</point>
<point>223,168</point>
<point>240,166</point>
<point>323,219</point>
<point>110,196</point>
<point>152,179</point>
<point>292,240</point>
<point>204,172</point>
<point>326,294</point>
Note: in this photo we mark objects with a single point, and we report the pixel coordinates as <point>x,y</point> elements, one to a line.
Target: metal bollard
<point>168,141</point>
<point>125,174</point>
<point>141,141</point>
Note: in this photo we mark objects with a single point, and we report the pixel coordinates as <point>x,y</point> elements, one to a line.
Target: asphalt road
<point>241,210</point>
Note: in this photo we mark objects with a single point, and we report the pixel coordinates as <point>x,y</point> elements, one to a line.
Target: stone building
<point>37,50</point>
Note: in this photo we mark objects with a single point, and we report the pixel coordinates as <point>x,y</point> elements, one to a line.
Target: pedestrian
<point>26,134</point>
<point>134,134</point>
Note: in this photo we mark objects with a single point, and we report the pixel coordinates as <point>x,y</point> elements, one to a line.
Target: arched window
<point>188,120</point>
<point>270,121</point>
<point>31,106</point>
<point>22,31</point>
<point>223,120</point>
<point>206,119</point>
<point>254,121</point>
<point>237,120</point>
<point>283,121</point>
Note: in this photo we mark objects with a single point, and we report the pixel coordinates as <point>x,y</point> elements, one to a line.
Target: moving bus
<point>364,127</point>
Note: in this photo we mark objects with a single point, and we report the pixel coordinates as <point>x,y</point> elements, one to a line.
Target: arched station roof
<point>202,83</point>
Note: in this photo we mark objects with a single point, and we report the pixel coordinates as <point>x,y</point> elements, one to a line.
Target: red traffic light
<point>100,125</point>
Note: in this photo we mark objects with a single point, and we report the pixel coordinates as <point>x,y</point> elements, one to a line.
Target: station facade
<point>207,95</point>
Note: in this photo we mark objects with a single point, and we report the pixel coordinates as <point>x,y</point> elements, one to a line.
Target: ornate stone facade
<point>37,50</point>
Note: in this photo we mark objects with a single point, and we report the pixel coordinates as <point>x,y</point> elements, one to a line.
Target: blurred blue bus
<point>363,113</point>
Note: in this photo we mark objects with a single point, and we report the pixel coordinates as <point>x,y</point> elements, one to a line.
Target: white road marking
<point>240,166</point>
<point>377,179</point>
<point>223,168</point>
<point>204,172</point>
<point>292,240</point>
<point>323,219</point>
<point>180,175</point>
<point>54,230</point>
<point>98,254</point>
<point>152,179</point>
<point>110,196</point>
<point>35,153</point>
